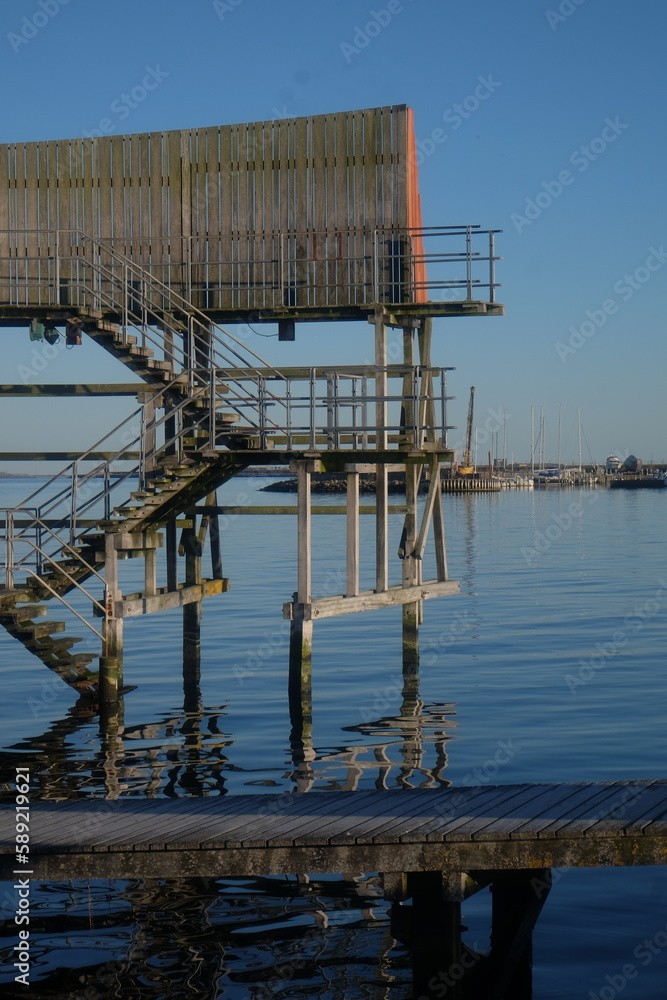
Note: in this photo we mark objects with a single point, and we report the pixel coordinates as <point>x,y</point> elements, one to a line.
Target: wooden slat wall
<point>317,187</point>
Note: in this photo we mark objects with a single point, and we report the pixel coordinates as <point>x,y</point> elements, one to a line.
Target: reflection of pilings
<point>112,717</point>
<point>431,928</point>
<point>518,898</point>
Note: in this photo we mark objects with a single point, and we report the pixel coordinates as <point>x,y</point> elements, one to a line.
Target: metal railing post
<point>125,292</point>
<point>38,551</point>
<point>73,502</point>
<point>416,434</point>
<point>364,412</point>
<point>212,400</point>
<point>261,409</point>
<point>331,427</point>
<point>492,268</point>
<point>443,405</point>
<point>9,549</point>
<point>188,265</point>
<point>56,249</point>
<point>288,413</point>
<point>107,492</point>
<point>313,379</point>
<point>468,263</point>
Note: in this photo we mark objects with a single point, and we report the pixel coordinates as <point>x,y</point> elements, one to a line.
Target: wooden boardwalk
<point>489,828</point>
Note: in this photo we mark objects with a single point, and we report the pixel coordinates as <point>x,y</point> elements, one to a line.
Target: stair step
<point>78,659</point>
<point>162,366</point>
<point>38,629</point>
<point>23,614</point>
<point>140,352</point>
<point>49,645</point>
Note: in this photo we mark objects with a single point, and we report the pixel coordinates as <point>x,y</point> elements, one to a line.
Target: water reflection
<point>257,938</point>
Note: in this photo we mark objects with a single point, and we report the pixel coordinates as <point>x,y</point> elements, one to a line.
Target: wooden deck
<point>487,828</point>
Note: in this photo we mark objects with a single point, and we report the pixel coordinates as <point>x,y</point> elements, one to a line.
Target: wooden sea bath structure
<point>146,244</point>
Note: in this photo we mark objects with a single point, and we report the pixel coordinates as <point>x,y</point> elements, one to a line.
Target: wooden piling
<point>301,629</point>
<point>111,661</point>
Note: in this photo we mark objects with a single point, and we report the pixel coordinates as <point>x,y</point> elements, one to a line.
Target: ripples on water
<point>536,600</point>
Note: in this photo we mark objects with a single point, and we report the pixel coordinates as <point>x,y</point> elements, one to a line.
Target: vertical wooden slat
<point>322,244</point>
<point>224,184</point>
<point>117,191</point>
<point>5,222</point>
<point>104,149</point>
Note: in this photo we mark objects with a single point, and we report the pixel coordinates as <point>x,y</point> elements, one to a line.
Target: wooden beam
<point>431,497</point>
<point>277,509</point>
<point>66,456</point>
<point>76,389</point>
<point>369,600</point>
<point>164,600</point>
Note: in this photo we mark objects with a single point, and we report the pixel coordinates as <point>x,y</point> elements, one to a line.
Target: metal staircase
<point>206,406</point>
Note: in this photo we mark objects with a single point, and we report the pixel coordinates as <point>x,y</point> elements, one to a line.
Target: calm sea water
<point>555,648</point>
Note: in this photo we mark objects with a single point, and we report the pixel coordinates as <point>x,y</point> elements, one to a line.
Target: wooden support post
<point>439,534</point>
<point>427,406</point>
<point>301,631</point>
<point>192,613</point>
<point>214,535</point>
<point>381,488</point>
<point>150,572</point>
<point>517,901</point>
<point>411,566</point>
<point>352,589</point>
<point>431,927</point>
<point>111,661</point>
<point>172,554</point>
<point>408,413</point>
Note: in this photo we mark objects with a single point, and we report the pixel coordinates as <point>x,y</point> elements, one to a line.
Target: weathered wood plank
<point>75,389</point>
<point>369,600</point>
<point>608,823</point>
<point>522,814</point>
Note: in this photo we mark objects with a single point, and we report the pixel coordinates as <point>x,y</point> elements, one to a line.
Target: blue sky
<point>566,154</point>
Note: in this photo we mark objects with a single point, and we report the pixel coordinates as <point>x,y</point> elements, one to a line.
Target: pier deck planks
<point>450,829</point>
